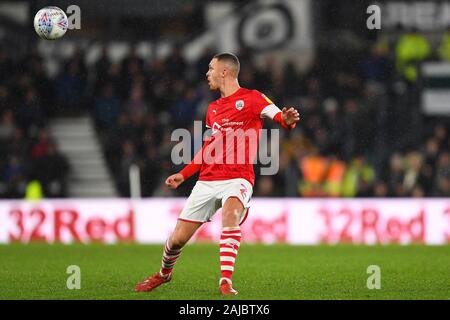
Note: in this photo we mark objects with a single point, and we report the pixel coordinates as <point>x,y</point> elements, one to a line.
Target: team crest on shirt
<point>239,104</point>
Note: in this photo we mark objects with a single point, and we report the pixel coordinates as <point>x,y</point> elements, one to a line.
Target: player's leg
<point>184,231</point>
<point>172,251</point>
<point>230,241</point>
<point>235,196</point>
<point>196,211</point>
<point>232,212</point>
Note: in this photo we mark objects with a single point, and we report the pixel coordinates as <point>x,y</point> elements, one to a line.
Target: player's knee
<point>230,217</point>
<point>231,213</point>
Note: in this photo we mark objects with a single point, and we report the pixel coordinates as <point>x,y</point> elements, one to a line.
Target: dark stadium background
<point>356,106</point>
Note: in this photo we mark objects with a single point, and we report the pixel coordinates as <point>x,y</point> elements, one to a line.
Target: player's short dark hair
<point>230,58</point>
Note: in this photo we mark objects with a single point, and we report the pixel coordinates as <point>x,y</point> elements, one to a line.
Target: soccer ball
<point>50,23</point>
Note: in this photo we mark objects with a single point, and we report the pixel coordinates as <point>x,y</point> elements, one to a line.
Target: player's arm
<point>192,168</point>
<point>287,118</point>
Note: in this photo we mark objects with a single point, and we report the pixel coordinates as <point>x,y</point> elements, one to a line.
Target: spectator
<point>13,176</point>
<point>30,112</point>
<point>136,104</point>
<point>411,49</point>
<point>151,174</point>
<point>414,163</point>
<point>184,110</point>
<point>129,157</point>
<point>7,126</point>
<point>107,108</point>
<point>70,87</point>
<point>265,187</point>
<point>102,67</point>
<point>381,190</point>
<point>52,171</point>
<point>175,63</point>
<point>444,46</point>
<point>376,66</point>
<point>359,179</point>
<point>18,144</point>
<point>40,148</point>
<point>396,174</point>
<point>441,186</point>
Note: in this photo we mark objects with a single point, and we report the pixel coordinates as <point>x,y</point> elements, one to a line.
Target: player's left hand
<point>290,116</point>
<point>174,180</point>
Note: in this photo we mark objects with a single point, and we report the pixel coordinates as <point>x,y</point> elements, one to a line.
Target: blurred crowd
<point>30,163</point>
<point>361,133</point>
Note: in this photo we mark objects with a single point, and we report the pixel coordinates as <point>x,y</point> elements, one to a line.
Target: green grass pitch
<point>38,271</point>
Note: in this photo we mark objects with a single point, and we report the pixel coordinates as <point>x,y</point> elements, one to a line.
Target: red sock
<point>169,259</point>
<point>230,241</point>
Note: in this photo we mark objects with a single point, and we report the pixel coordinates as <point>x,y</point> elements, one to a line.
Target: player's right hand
<point>174,181</point>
